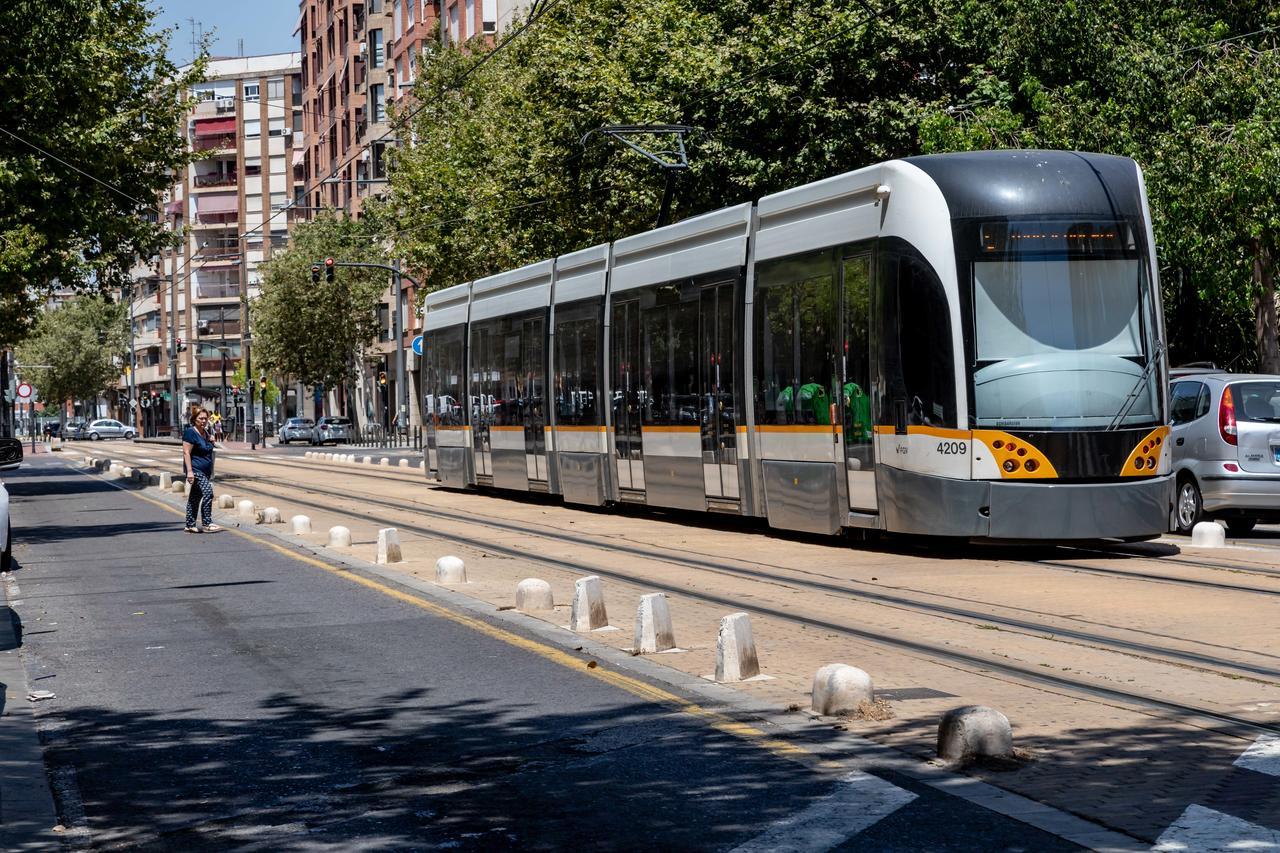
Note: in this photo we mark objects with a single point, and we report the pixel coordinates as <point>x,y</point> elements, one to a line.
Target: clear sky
<point>265,25</point>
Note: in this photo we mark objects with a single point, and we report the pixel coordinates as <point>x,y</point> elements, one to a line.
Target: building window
<point>471,18</point>
<point>277,165</point>
<point>252,128</point>
<point>376,56</point>
<point>453,23</point>
<point>252,166</point>
<point>251,91</point>
<point>275,89</point>
<point>279,200</point>
<point>375,7</point>
<point>203,93</point>
<point>297,121</point>
<point>395,20</point>
<point>275,126</point>
<point>377,103</point>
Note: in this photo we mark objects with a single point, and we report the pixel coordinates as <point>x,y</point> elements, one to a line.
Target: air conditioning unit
<point>224,105</point>
<point>364,50</point>
<point>288,131</point>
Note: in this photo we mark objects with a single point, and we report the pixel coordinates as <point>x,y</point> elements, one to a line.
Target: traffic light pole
<point>394,269</point>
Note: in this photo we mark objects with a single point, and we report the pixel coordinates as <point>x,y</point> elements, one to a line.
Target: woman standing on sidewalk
<point>197,464</point>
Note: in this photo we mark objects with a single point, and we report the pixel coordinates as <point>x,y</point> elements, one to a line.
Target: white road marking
<point>244,458</point>
<point>859,801</point>
<point>1204,830</point>
<point>1263,756</point>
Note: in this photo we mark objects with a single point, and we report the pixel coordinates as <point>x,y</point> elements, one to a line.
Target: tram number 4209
<point>953,448</point>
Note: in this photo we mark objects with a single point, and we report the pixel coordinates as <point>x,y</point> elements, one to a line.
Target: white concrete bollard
<point>1208,534</point>
<point>736,657</point>
<point>974,731</point>
<point>654,631</point>
<point>404,463</point>
<point>179,487</point>
<point>385,462</point>
<point>166,480</point>
<point>588,611</point>
<point>113,468</point>
<point>450,570</point>
<point>307,454</point>
<point>271,515</point>
<point>246,511</point>
<point>339,537</point>
<point>533,594</point>
<point>368,460</point>
<point>389,546</point>
<point>839,689</point>
<point>301,524</point>
<point>226,502</point>
<point>126,473</point>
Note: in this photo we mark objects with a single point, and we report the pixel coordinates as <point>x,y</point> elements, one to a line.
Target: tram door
<point>719,415</point>
<point>534,394</point>
<point>483,374</point>
<point>628,394</point>
<point>855,380</point>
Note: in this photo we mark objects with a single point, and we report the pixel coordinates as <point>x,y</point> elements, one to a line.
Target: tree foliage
<point>74,351</point>
<point>788,93</point>
<point>90,134</point>
<point>307,332</point>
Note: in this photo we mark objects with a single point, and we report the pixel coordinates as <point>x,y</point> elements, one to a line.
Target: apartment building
<point>231,209</point>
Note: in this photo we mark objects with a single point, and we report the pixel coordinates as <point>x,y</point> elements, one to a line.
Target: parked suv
<point>1226,448</point>
<point>295,429</point>
<point>331,430</point>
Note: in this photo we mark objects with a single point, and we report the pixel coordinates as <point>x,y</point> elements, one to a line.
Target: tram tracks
<point>785,576</point>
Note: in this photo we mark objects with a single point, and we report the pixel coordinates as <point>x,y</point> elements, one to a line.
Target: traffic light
<point>181,346</point>
<point>382,378</point>
<point>328,270</point>
<point>315,273</point>
<point>235,389</point>
<point>262,384</point>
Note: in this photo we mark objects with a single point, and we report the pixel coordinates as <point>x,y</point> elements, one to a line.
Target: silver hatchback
<point>332,430</point>
<point>295,429</point>
<point>1226,448</point>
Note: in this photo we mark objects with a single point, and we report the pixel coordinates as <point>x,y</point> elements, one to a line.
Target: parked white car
<point>10,458</point>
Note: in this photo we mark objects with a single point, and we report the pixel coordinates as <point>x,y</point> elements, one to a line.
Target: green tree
<point>74,351</point>
<point>90,135</point>
<point>271,394</point>
<point>308,332</point>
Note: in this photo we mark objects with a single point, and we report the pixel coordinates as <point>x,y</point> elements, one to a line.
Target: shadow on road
<point>402,772</point>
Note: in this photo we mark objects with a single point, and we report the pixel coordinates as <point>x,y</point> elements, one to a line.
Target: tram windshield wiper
<point>1132,396</point>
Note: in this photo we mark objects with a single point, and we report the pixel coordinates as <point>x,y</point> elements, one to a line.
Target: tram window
<point>919,362</point>
<point>444,379</point>
<point>795,365</point>
<point>577,374</point>
<point>669,354</point>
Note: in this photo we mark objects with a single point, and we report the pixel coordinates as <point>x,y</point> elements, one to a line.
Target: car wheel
<point>130,436</point>
<point>1189,509</point>
<point>6,556</point>
<point>93,436</point>
<point>1240,526</point>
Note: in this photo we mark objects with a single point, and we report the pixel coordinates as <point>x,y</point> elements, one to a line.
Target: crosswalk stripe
<point>1263,756</point>
<point>859,801</point>
<point>1203,830</point>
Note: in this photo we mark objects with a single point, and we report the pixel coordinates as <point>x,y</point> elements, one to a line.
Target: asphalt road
<point>215,693</point>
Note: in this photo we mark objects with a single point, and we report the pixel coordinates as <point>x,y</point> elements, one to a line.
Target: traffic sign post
<point>25,391</point>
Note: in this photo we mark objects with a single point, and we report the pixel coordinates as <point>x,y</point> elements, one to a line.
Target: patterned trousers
<point>200,495</point>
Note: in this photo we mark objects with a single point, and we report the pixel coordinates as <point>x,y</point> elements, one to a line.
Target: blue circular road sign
<point>417,345</point>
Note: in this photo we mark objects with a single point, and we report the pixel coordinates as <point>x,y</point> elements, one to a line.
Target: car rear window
<point>1257,401</point>
<point>338,421</point>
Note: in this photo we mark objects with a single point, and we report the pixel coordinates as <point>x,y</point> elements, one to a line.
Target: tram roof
<point>1028,182</point>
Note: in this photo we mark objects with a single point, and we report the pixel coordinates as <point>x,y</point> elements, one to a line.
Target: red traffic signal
<point>328,270</point>
<point>315,274</point>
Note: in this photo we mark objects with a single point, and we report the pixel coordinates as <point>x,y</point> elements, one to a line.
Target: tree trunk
<point>1267,335</point>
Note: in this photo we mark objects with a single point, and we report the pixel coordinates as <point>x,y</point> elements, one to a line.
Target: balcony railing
<point>227,290</point>
<point>213,143</point>
<point>216,179</point>
<point>228,249</point>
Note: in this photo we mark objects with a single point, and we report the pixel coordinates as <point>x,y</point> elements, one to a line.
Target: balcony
<point>214,143</point>
<point>210,329</point>
<point>216,179</point>
<point>218,290</point>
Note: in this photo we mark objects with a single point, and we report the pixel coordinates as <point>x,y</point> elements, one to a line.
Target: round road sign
<point>25,390</point>
<point>417,345</point>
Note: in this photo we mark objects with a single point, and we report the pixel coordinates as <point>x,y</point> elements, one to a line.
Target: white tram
<point>957,345</point>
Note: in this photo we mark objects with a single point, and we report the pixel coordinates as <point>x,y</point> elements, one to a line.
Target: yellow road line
<point>634,686</point>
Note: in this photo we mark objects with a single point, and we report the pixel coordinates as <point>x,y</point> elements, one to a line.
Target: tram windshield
<point>1063,325</point>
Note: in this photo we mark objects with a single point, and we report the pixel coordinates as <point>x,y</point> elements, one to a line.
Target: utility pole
<point>245,338</point>
<point>133,369</point>
<point>175,408</point>
<point>397,323</point>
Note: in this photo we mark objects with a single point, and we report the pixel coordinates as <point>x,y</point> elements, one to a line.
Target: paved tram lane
<point>212,692</point>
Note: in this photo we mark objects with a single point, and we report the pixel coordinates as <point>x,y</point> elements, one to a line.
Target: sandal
<point>190,530</point>
<point>213,528</point>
